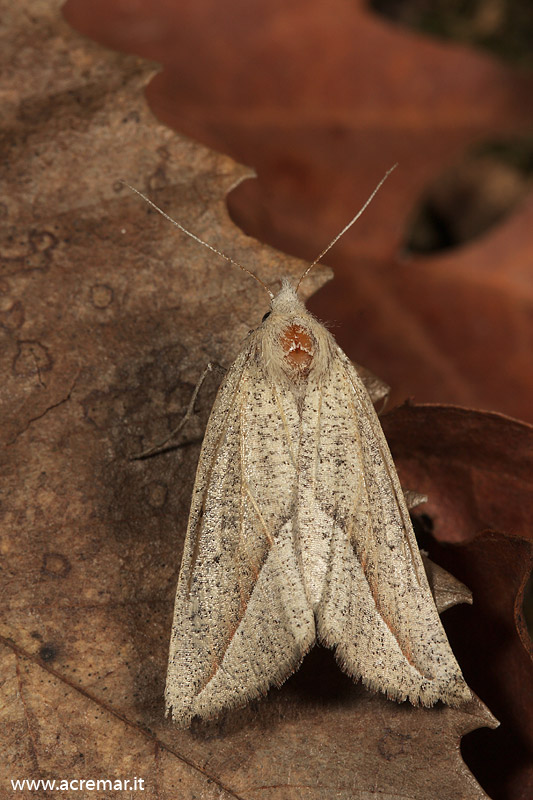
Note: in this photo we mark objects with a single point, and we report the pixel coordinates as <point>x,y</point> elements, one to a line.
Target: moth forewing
<point>379,612</point>
<point>299,531</point>
<point>241,622</point>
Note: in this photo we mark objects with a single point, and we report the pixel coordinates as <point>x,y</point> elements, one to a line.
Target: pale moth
<point>299,532</point>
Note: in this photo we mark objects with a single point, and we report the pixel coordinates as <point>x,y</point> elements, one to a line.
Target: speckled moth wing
<point>241,619</point>
<point>299,529</point>
<point>377,609</point>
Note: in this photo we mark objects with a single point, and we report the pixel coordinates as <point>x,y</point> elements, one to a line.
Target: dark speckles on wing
<point>298,528</point>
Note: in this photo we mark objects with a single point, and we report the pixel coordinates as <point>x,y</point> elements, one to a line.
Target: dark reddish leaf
<point>477,470</point>
<point>321,98</point>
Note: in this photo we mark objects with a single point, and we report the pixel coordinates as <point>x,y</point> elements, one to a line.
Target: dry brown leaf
<point>477,470</point>
<point>321,98</point>
<point>108,320</point>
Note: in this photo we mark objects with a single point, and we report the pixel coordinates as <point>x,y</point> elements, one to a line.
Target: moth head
<point>289,334</point>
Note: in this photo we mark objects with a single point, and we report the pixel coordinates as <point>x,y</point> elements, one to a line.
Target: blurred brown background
<point>432,287</point>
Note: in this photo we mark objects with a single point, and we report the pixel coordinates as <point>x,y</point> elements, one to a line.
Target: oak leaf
<point>108,318</point>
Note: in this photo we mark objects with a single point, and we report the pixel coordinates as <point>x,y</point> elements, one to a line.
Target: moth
<point>299,532</point>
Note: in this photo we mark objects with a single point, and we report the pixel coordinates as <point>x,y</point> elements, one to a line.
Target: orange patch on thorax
<point>298,346</point>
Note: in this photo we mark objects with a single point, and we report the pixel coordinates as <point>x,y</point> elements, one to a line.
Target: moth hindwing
<point>299,532</point>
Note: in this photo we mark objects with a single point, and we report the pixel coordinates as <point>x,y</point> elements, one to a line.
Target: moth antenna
<point>348,226</point>
<point>197,238</point>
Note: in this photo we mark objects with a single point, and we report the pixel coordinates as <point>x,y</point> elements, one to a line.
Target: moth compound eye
<point>266,316</point>
<point>298,347</point>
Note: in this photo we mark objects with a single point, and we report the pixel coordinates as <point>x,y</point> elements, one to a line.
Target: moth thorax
<point>298,346</point>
